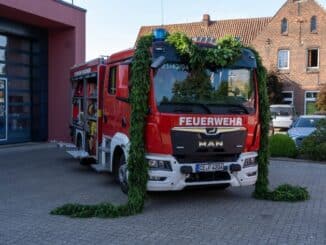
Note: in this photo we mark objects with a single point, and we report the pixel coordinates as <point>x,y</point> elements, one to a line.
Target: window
<point>284,26</point>
<point>310,102</point>
<point>283,59</point>
<point>2,54</point>
<point>313,24</point>
<point>3,41</point>
<point>287,97</point>
<point>112,86</point>
<point>313,58</point>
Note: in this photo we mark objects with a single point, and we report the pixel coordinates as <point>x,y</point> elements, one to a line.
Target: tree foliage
<point>275,88</point>
<point>321,100</point>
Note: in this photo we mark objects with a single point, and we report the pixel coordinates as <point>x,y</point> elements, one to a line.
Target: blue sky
<point>113,25</point>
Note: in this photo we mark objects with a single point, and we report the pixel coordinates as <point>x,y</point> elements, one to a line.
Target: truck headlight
<point>250,162</point>
<point>159,165</point>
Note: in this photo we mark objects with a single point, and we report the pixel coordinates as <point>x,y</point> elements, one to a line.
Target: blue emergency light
<point>159,34</point>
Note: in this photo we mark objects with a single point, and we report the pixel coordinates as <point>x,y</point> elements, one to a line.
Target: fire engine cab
<point>198,133</point>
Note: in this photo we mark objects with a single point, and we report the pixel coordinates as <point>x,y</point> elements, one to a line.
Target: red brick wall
<point>297,78</point>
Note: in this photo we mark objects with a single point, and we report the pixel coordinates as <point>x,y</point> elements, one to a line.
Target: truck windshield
<point>219,91</point>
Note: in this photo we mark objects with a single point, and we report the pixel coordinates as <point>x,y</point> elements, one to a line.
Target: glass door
<point>3,109</point>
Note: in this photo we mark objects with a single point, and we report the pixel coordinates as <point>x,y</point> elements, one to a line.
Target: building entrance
<point>3,110</point>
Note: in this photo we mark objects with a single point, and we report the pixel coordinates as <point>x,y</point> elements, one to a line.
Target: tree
<point>321,100</point>
<point>275,88</point>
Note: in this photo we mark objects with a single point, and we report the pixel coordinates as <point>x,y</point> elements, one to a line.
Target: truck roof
<point>121,55</point>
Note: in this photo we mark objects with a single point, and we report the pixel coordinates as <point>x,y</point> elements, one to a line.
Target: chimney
<point>206,20</point>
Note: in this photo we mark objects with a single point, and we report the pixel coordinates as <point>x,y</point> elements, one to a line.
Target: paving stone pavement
<point>32,182</point>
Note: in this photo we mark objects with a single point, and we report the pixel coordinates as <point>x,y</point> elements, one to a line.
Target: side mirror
<point>158,62</point>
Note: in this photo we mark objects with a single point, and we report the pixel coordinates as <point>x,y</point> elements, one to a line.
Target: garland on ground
<point>225,53</point>
<point>137,166</point>
<point>283,192</point>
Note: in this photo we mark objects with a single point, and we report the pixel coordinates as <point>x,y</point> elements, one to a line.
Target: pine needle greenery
<point>226,51</point>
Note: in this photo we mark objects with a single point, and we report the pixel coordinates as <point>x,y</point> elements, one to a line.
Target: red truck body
<point>185,144</point>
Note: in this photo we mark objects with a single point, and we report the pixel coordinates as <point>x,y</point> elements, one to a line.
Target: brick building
<point>292,43</point>
<point>39,41</point>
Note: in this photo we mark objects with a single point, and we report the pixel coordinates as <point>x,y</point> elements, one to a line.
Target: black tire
<point>122,174</point>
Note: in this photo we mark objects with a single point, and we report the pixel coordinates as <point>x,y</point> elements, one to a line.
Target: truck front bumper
<point>175,179</point>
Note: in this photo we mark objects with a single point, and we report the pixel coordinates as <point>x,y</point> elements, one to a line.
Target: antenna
<point>162,13</point>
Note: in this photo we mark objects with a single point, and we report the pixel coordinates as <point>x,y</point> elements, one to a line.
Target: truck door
<point>109,101</point>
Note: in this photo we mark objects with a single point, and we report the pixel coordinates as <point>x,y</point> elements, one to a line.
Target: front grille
<point>203,158</point>
<point>211,176</point>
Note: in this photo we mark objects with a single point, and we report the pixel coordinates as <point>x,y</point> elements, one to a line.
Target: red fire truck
<point>189,142</point>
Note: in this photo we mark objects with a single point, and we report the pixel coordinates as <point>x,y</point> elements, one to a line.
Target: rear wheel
<point>123,174</point>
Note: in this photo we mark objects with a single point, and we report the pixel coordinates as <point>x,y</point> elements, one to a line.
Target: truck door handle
<point>105,118</point>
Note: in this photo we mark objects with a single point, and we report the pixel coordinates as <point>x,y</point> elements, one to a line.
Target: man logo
<point>211,131</point>
<point>210,144</point>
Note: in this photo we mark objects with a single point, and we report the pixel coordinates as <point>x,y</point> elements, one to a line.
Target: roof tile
<point>246,29</point>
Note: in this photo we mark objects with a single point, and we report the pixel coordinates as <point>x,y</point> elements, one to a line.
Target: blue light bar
<point>160,34</point>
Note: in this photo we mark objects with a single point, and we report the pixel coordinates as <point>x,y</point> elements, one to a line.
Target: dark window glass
<point>284,26</point>
<point>2,55</point>
<point>2,69</point>
<point>19,84</point>
<point>306,122</point>
<point>19,44</point>
<point>313,58</point>
<point>3,41</point>
<point>313,24</point>
<point>112,80</point>
<point>281,111</point>
<point>18,57</point>
<point>23,71</point>
<point>219,91</point>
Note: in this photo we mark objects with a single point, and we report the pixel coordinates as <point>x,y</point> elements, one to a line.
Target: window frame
<point>288,59</point>
<point>284,22</point>
<point>307,60</point>
<point>289,99</point>
<point>313,24</point>
<point>112,90</point>
<point>314,99</point>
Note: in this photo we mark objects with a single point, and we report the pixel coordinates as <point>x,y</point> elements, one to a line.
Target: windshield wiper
<point>204,106</point>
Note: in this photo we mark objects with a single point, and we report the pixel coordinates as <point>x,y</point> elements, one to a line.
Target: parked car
<point>303,127</point>
<point>283,116</point>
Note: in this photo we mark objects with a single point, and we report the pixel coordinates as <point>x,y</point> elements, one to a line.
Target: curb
<point>26,147</point>
<point>285,159</point>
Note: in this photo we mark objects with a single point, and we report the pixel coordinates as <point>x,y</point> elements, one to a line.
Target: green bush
<point>314,146</point>
<point>281,145</point>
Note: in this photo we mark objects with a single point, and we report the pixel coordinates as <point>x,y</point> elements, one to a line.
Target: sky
<point>113,25</point>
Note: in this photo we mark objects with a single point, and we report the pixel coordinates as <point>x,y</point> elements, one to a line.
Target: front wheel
<point>123,174</point>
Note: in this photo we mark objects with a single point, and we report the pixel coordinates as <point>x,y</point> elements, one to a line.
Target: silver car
<point>282,116</point>
<point>303,127</point>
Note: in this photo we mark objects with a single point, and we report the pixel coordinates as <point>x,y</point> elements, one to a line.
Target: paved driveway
<point>32,182</point>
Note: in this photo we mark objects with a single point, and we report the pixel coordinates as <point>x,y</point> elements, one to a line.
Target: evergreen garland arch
<point>226,51</point>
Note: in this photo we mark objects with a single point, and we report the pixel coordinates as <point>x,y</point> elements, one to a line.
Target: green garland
<point>261,187</point>
<point>225,53</point>
<point>283,192</point>
<point>137,166</point>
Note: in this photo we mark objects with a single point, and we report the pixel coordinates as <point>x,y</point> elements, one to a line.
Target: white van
<point>282,116</point>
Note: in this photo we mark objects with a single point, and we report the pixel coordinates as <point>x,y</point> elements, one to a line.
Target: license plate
<point>209,167</point>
